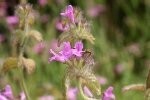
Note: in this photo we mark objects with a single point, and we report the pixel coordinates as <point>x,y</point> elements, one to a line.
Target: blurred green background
<point>121,49</point>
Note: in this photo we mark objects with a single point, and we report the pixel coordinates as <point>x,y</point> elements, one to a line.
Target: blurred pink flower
<point>2,38</point>
<point>68,13</point>
<point>7,93</point>
<point>42,2</point>
<point>3,97</point>
<point>108,94</point>
<point>61,27</point>
<point>87,92</point>
<point>95,10</point>
<point>12,20</point>
<point>38,48</point>
<point>22,96</point>
<point>72,94</point>
<point>119,69</point>
<point>102,80</point>
<point>46,97</point>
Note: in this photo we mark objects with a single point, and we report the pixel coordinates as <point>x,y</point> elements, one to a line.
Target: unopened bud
<point>29,65</point>
<point>36,35</point>
<point>10,63</point>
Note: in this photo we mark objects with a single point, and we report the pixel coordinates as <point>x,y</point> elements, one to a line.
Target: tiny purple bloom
<point>78,49</point>
<point>72,94</point>
<point>108,94</point>
<point>68,13</point>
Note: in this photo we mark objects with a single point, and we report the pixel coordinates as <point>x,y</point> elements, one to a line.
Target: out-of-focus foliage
<point>122,44</point>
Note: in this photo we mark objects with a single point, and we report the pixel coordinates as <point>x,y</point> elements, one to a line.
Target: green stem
<point>22,83</point>
<point>20,65</point>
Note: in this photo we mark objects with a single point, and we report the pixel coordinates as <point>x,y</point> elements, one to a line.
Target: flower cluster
<point>67,52</point>
<point>79,62</point>
<point>7,94</point>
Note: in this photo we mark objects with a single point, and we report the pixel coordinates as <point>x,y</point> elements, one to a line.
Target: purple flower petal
<point>108,94</point>
<point>12,20</point>
<point>3,97</point>
<point>68,13</point>
<point>7,92</point>
<point>78,49</point>
<point>67,51</point>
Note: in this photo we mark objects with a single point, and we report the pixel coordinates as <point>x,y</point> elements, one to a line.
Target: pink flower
<point>68,13</point>
<point>46,97</point>
<point>78,49</point>
<point>67,52</point>
<point>108,94</point>
<point>63,55</point>
<point>61,27</point>
<point>72,94</point>
<point>42,2</point>
<point>96,10</point>
<point>7,92</point>
<point>12,20</point>
<point>102,80</point>
<point>38,48</point>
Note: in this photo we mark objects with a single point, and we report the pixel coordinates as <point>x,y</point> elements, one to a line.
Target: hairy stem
<point>82,93</point>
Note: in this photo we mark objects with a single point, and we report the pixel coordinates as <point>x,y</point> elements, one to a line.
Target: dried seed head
<point>25,14</point>
<point>36,35</point>
<point>29,65</point>
<point>9,63</point>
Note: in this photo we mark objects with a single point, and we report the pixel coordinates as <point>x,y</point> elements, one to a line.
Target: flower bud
<point>36,35</point>
<point>29,65</point>
<point>10,63</point>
